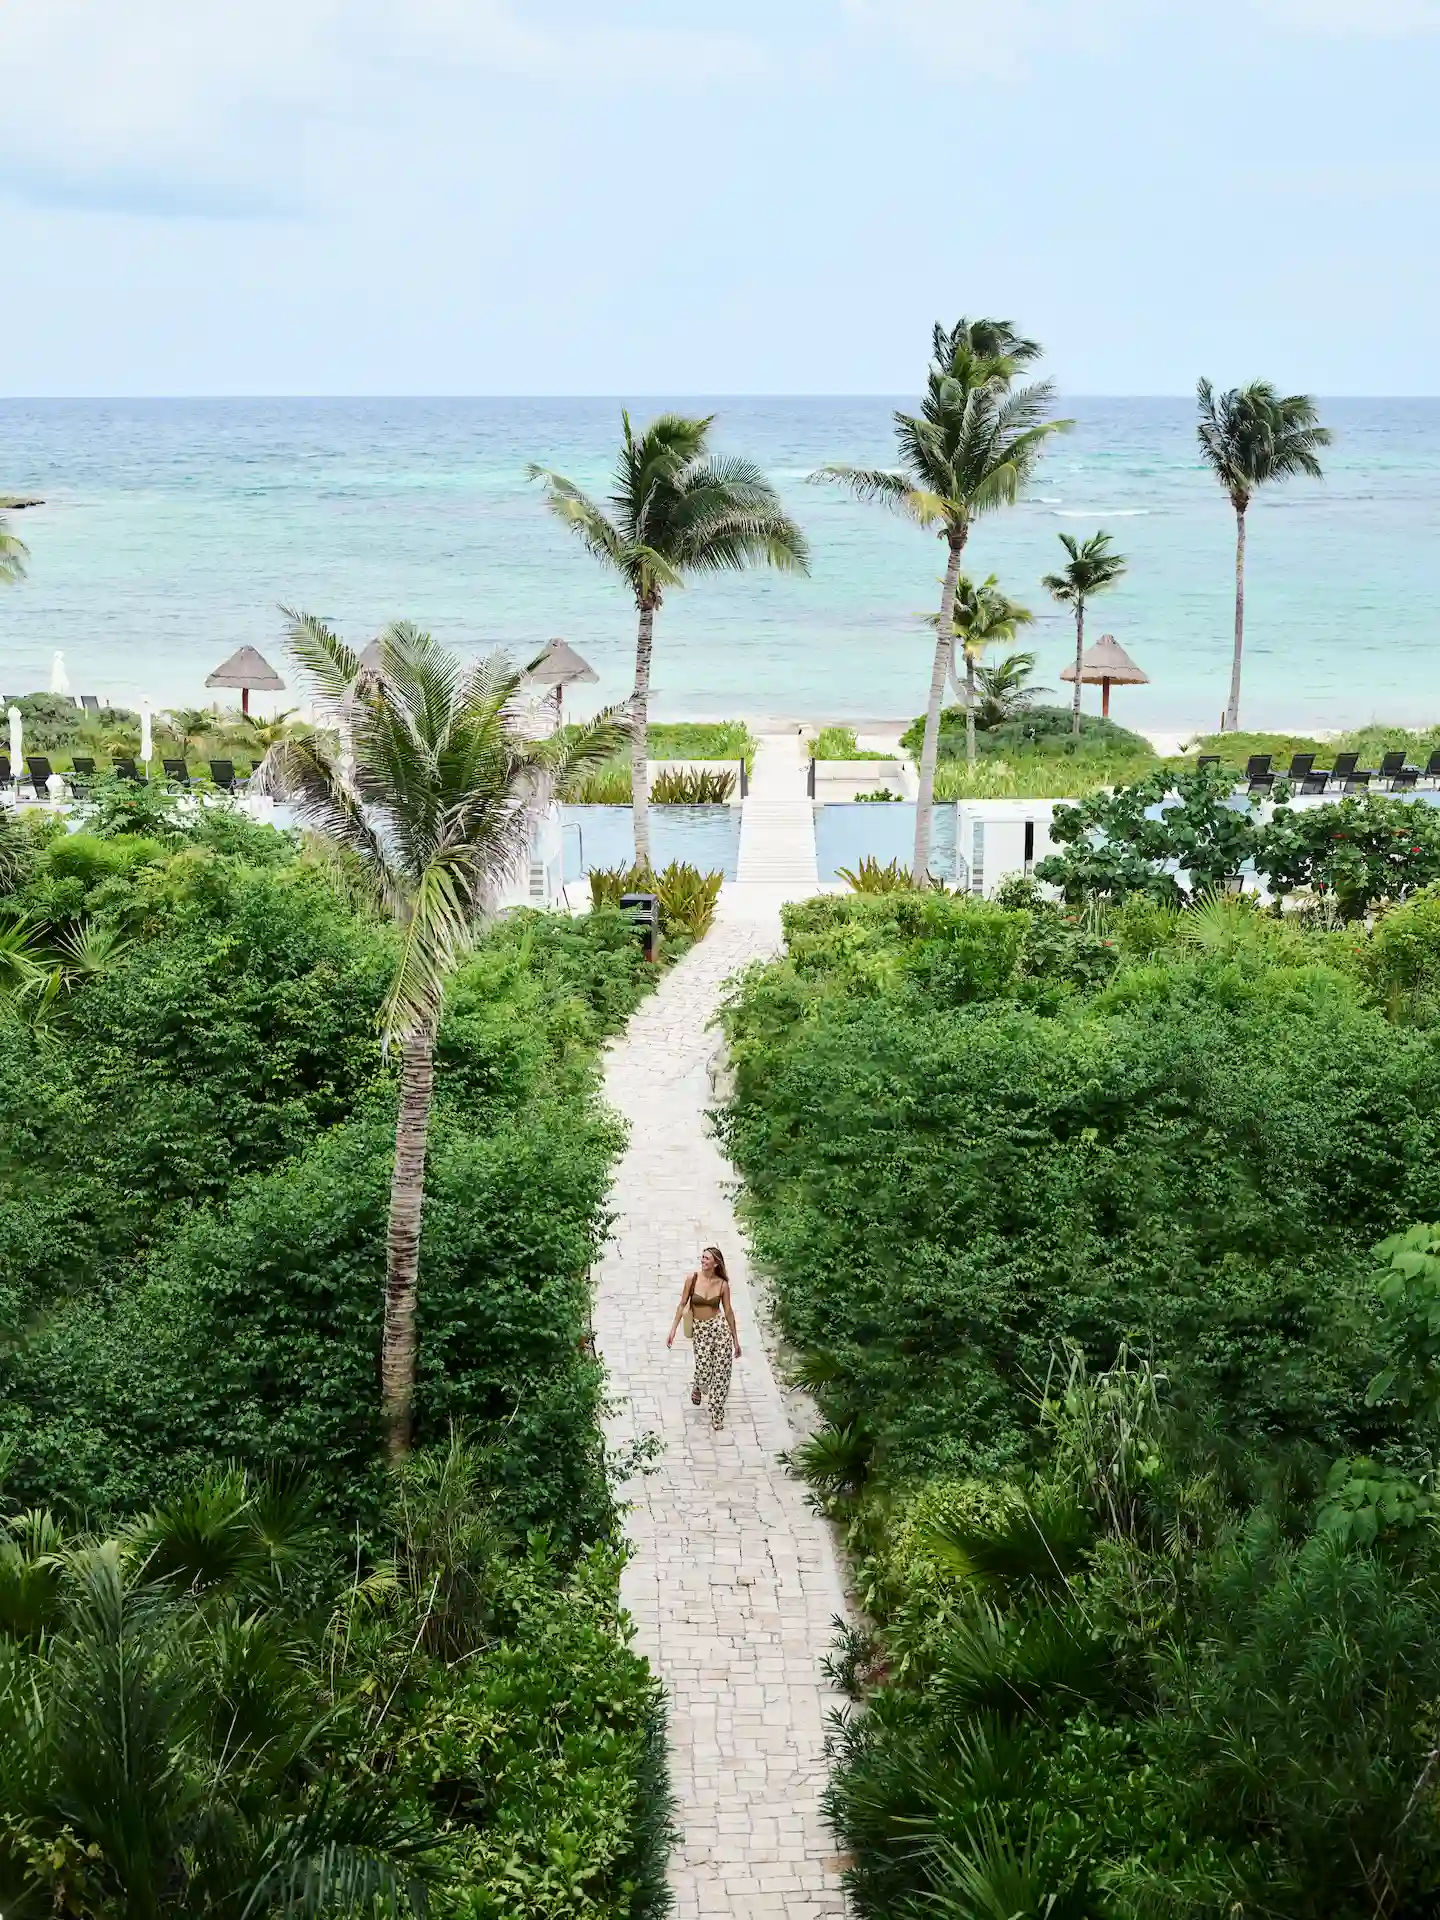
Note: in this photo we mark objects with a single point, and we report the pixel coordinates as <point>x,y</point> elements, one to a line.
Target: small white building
<point>999,840</point>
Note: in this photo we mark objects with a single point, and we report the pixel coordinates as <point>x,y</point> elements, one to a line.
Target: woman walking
<point>706,1297</point>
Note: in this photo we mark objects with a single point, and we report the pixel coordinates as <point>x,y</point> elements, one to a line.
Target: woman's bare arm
<point>685,1293</point>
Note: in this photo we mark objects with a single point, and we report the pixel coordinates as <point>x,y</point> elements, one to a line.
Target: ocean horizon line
<point>616,399</point>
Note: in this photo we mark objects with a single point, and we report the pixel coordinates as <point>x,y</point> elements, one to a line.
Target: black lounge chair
<point>1358,781</point>
<point>1404,780</point>
<point>1260,783</point>
<point>1345,764</point>
<point>176,771</point>
<point>1391,764</point>
<point>125,767</point>
<point>82,770</point>
<point>90,702</point>
<point>1314,783</point>
<point>40,772</point>
<point>222,772</point>
<point>4,769</point>
<point>1257,766</point>
<point>1207,760</point>
<point>1432,767</point>
<point>1301,766</point>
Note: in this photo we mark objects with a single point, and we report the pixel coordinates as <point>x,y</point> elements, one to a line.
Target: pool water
<point>705,837</point>
<point>847,832</point>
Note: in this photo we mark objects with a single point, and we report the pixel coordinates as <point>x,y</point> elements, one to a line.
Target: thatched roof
<point>1107,660</point>
<point>246,668</point>
<point>561,666</point>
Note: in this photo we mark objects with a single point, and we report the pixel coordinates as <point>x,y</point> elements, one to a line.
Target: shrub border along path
<point>733,1580</point>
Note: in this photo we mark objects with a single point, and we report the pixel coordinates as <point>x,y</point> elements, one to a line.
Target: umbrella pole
<point>245,700</point>
<point>1104,699</point>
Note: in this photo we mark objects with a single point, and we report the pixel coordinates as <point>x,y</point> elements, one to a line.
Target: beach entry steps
<point>777,827</point>
<point>733,1581</point>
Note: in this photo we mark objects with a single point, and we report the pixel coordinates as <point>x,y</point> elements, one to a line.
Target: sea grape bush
<point>195,1158</point>
<point>1070,1216</point>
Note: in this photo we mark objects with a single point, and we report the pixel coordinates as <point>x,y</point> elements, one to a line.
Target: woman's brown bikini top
<point>699,1300</point>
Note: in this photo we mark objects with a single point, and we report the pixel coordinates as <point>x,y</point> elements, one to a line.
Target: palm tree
<point>676,509</point>
<point>190,725</point>
<point>1092,566</point>
<point>257,732</point>
<point>982,614</point>
<point>13,555</point>
<point>434,792</point>
<point>1249,437</point>
<point>1005,690</point>
<point>973,445</point>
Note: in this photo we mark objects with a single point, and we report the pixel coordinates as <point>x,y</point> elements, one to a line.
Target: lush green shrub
<point>1358,851</point>
<point>1048,729</point>
<point>692,787</point>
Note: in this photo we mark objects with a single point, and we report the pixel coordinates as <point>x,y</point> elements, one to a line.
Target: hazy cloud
<point>207,100</point>
<point>985,35</point>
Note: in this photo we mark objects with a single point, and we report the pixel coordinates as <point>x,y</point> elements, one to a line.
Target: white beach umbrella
<point>17,746</point>
<point>147,746</point>
<point>59,679</point>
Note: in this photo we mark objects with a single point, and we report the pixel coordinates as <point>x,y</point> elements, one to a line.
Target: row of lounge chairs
<point>38,773</point>
<point>1346,774</point>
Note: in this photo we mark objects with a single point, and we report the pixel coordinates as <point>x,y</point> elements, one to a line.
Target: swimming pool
<point>706,837</point>
<point>847,832</point>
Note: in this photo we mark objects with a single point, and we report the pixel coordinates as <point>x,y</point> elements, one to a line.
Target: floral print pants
<point>713,1359</point>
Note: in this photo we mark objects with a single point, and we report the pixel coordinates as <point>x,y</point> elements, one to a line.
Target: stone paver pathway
<point>734,1582</point>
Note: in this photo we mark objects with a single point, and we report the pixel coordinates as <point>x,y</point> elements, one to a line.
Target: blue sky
<point>658,196</point>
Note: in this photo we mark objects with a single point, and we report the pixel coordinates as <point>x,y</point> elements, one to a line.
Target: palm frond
<point>13,555</point>
<point>302,773</point>
<point>330,663</point>
<point>888,489</point>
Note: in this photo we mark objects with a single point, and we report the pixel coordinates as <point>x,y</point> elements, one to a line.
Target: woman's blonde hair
<point>719,1259</point>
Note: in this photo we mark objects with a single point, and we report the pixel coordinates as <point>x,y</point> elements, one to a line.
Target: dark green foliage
<point>1129,840</point>
<point>1037,726</point>
<point>230,1713</point>
<point>1358,851</point>
<point>1071,1217</point>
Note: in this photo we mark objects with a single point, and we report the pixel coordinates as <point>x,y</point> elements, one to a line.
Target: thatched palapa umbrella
<point>1106,664</point>
<point>247,669</point>
<point>559,666</point>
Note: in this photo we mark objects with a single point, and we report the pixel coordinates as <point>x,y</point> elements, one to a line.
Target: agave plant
<point>871,877</point>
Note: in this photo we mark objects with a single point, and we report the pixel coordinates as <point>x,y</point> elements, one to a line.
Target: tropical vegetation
<point>433,794</point>
<point>1251,437</point>
<point>341,1680</point>
<point>982,616</point>
<point>676,510</point>
<point>975,442</point>
<point>1097,1233</point>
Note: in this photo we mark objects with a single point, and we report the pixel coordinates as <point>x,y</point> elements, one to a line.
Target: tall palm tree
<point>1249,437</point>
<point>1092,566</point>
<point>13,555</point>
<point>970,449</point>
<point>434,791</point>
<point>982,614</point>
<point>676,509</point>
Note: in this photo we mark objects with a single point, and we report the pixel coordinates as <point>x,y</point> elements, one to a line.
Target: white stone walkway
<point>734,1582</point>
<point>777,828</point>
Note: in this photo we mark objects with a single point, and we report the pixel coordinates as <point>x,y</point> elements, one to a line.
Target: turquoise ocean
<point>173,529</point>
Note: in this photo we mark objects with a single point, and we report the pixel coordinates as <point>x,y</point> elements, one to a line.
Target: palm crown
<point>436,796</point>
<point>1253,435</point>
<point>1092,566</point>
<point>676,509</point>
<point>984,614</point>
<point>13,555</point>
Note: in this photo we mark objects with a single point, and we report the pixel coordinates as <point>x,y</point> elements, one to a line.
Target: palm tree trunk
<point>969,709</point>
<point>944,644</point>
<point>402,1246</point>
<point>1079,656</point>
<point>1232,712</point>
<point>639,742</point>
